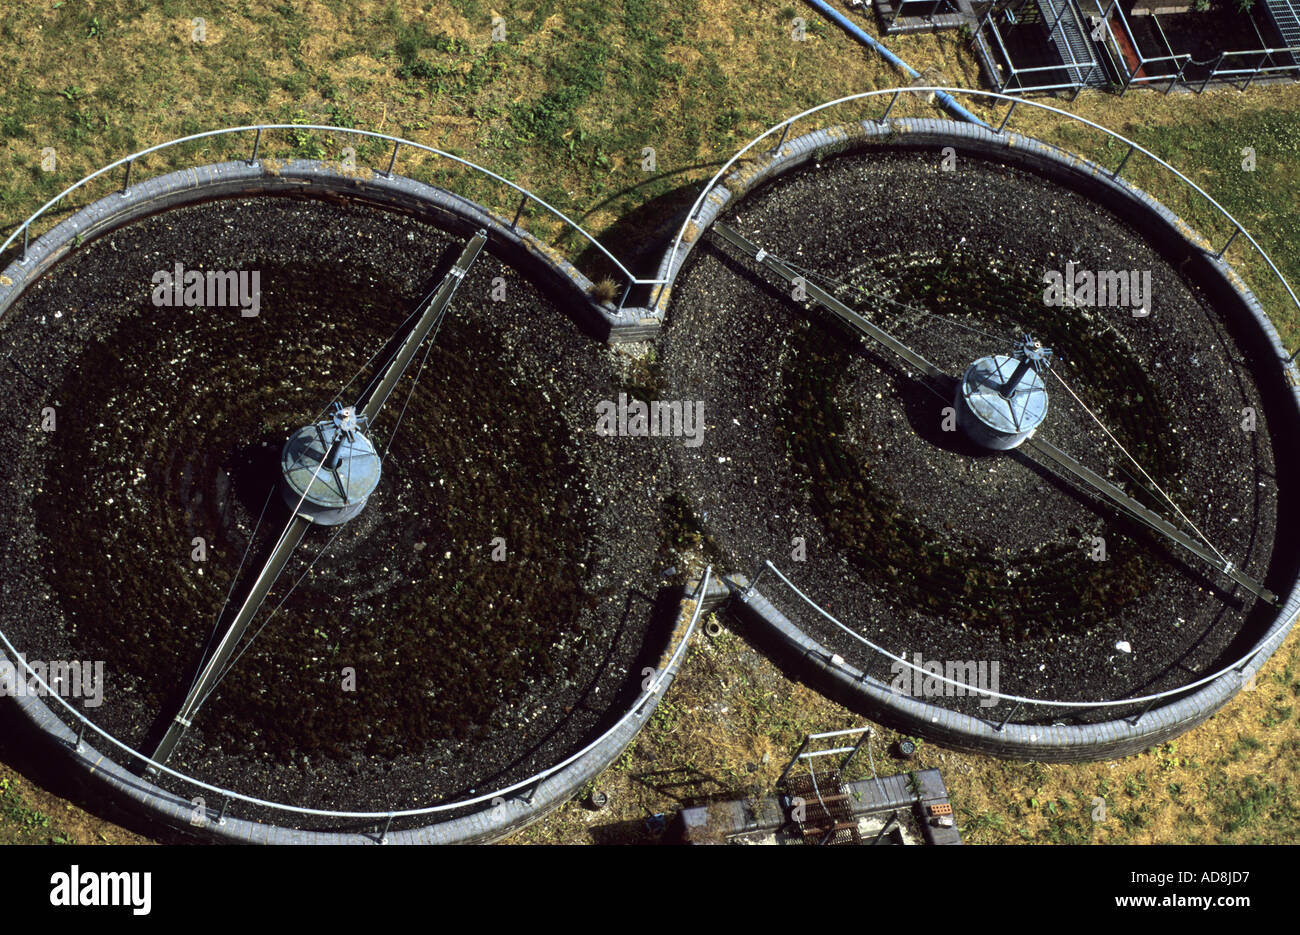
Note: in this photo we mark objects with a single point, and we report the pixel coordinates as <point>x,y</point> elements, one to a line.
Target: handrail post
<point>1014,711</point>
<point>1213,68</point>
<point>660,287</point>
<point>81,733</point>
<point>893,817</point>
<point>522,202</point>
<point>392,161</point>
<point>1010,110</point>
<point>126,182</point>
<point>866,735</point>
<point>626,293</point>
<point>784,132</point>
<point>1177,79</point>
<point>1251,76</point>
<point>793,760</point>
<point>530,796</point>
<point>1143,713</point>
<point>257,143</point>
<point>1219,255</point>
<point>27,229</point>
<point>1123,162</point>
<point>885,116</point>
<point>1079,87</point>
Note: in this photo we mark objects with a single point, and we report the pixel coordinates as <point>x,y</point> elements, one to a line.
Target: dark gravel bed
<point>469,672</point>
<point>915,539</point>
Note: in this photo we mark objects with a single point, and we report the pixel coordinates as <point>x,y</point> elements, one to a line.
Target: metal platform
<point>1068,32</point>
<point>1285,15</point>
<point>900,17</point>
<point>876,809</point>
<point>1039,45</point>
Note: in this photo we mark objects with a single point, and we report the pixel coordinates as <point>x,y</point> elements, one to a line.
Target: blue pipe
<point>947,100</point>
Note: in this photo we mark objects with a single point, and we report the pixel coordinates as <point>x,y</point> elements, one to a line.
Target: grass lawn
<point>567,104</point>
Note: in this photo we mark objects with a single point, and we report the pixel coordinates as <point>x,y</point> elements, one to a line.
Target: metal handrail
<point>1265,49</point>
<point>785,126</point>
<point>1019,699</point>
<point>635,710</point>
<point>398,142</point>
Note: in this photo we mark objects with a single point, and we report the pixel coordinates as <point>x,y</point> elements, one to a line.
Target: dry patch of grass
<point>30,814</point>
<point>732,720</point>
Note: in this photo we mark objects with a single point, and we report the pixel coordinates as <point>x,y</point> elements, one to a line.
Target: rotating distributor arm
<point>1118,498</point>
<point>1031,355</point>
<point>369,407</point>
<point>214,666</point>
<point>344,428</point>
<point>830,303</point>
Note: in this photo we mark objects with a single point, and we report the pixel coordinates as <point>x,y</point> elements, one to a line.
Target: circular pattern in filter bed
<point>918,539</point>
<point>469,672</point>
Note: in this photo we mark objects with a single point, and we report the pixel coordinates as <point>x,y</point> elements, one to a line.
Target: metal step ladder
<point>1069,35</point>
<point>817,802</point>
<point>1286,17</point>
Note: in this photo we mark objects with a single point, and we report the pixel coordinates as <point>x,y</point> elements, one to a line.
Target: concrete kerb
<point>395,193</point>
<point>1057,742</point>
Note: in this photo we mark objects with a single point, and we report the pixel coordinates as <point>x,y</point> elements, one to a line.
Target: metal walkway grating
<point>1078,54</point>
<point>1286,16</point>
<point>828,816</point>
